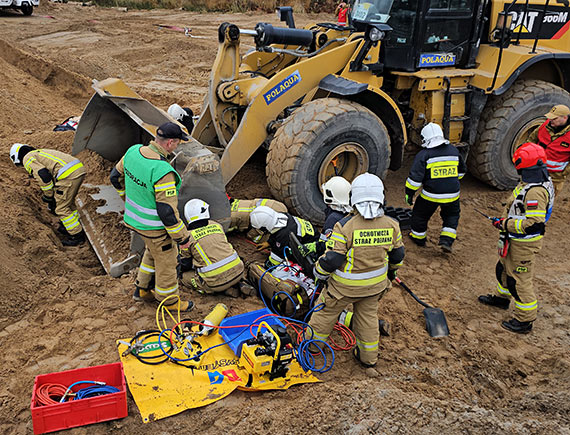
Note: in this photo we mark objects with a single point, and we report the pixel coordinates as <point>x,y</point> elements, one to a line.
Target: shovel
<point>436,324</point>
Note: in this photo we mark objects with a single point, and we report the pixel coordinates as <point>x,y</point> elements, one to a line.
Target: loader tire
<point>505,124</point>
<point>316,137</point>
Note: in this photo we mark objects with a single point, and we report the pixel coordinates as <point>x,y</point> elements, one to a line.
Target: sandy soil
<point>60,310</point>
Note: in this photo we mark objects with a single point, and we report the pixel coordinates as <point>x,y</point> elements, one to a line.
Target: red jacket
<point>557,150</point>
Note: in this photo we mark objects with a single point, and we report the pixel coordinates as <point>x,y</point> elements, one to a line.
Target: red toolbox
<point>75,413</point>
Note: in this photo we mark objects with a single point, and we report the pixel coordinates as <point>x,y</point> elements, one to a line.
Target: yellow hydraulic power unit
<point>267,356</point>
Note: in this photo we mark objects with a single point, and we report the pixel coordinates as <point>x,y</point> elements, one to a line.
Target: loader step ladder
<point>447,118</point>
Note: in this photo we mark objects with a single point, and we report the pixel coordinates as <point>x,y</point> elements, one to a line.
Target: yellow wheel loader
<point>341,100</point>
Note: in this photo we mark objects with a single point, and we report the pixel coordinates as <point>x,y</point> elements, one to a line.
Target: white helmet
<point>432,136</point>
<point>336,194</point>
<point>14,151</point>
<point>177,112</point>
<point>196,209</point>
<point>263,218</point>
<point>367,187</point>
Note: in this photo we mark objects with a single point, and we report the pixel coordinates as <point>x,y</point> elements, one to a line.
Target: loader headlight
<point>375,34</point>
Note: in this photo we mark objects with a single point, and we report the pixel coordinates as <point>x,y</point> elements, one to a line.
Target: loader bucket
<point>115,119</point>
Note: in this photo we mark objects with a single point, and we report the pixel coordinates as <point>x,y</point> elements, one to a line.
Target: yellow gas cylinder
<point>213,319</point>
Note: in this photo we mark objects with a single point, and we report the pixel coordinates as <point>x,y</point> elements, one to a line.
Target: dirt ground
<point>60,311</point>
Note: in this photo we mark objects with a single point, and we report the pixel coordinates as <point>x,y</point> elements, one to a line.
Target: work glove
<point>498,223</point>
<point>311,247</point>
<point>261,246</point>
<point>50,202</point>
<point>392,274</point>
<point>409,200</point>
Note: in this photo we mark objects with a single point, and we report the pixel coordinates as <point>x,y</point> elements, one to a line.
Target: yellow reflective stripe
<point>52,157</point>
<point>396,265</point>
<point>419,236</point>
<point>202,254</point>
<point>338,237</point>
<point>399,237</point>
<point>68,172</point>
<point>164,186</point>
<point>440,163</point>
<point>411,184</point>
<point>245,209</point>
<point>349,261</point>
<point>318,336</point>
<point>360,282</point>
<point>166,291</point>
<point>439,200</point>
<point>222,269</point>
<point>71,221</point>
<point>367,345</point>
<point>120,192</point>
<point>176,229</point>
<point>47,186</point>
<point>146,268</point>
<point>527,307</point>
<point>320,270</point>
<point>502,290</point>
<point>536,213</point>
<point>28,163</point>
<point>516,191</point>
<point>263,202</point>
<point>448,234</point>
<point>532,239</point>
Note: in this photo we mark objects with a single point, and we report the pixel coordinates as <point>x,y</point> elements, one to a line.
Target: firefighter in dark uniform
<point>367,250</point>
<point>438,168</point>
<point>554,136</point>
<point>60,176</point>
<point>149,185</point>
<point>522,228</point>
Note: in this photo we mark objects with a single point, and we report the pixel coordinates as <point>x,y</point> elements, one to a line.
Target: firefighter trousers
<point>558,179</point>
<point>364,321</point>
<point>424,210</point>
<point>159,265</point>
<point>65,192</point>
<point>515,273</point>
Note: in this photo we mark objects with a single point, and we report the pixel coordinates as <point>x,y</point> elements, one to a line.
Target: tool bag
<point>282,294</point>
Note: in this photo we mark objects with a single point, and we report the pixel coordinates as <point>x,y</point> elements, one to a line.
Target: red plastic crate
<point>75,413</point>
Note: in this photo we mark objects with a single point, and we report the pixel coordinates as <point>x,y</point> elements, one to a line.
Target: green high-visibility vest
<point>141,174</point>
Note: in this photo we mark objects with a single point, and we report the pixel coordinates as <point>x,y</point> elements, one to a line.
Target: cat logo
<point>526,23</point>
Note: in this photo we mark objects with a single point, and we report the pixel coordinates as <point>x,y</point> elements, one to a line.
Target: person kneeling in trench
<point>210,264</point>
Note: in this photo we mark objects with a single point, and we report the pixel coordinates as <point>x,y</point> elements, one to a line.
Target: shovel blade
<point>436,324</point>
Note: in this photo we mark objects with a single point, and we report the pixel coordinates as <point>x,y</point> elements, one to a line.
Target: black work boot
<point>514,325</point>
<point>495,301</point>
<point>356,354</point>
<point>62,230</point>
<point>74,240</point>
<point>446,246</point>
<point>419,242</point>
<point>246,289</point>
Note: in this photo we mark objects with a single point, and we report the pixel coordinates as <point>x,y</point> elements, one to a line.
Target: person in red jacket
<point>554,136</point>
<point>341,12</point>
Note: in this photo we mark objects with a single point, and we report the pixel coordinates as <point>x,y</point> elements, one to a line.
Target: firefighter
<point>216,265</point>
<point>279,225</point>
<point>242,208</point>
<point>59,176</point>
<point>367,251</point>
<point>554,136</point>
<point>438,168</point>
<point>522,227</point>
<point>149,185</point>
<point>336,196</point>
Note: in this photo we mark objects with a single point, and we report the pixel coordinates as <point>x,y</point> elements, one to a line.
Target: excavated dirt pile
<point>60,311</point>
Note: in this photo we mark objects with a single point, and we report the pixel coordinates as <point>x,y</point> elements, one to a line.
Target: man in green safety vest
<point>149,186</point>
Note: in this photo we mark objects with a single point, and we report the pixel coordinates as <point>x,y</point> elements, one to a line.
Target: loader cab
<point>426,33</point>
